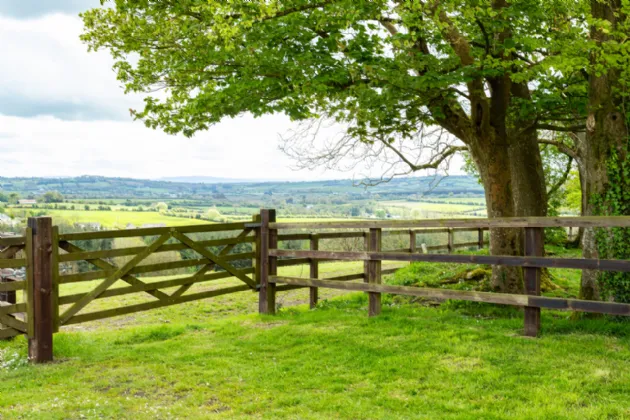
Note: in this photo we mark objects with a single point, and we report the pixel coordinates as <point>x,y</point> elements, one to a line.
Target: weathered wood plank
<point>214,258</point>
<point>9,333</point>
<point>10,252</point>
<point>294,261</point>
<point>534,247</point>
<point>610,308</point>
<point>143,269</point>
<point>12,286</point>
<point>180,281</point>
<point>374,272</point>
<point>93,316</point>
<point>69,313</point>
<point>13,240</point>
<point>11,322</point>
<point>509,222</point>
<point>349,277</point>
<point>127,233</point>
<point>576,263</point>
<point>122,252</point>
<point>40,343</point>
<point>13,263</point>
<point>314,272</point>
<point>413,246</point>
<point>266,303</point>
<point>517,300</point>
<point>30,319</point>
<point>12,308</point>
<point>55,278</point>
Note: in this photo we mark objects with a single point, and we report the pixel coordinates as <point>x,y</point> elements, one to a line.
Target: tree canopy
<point>388,66</point>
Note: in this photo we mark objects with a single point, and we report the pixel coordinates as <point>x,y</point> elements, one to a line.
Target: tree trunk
<point>494,169</point>
<point>607,133</point>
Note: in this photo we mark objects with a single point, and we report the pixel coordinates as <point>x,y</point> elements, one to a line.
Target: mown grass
<point>333,362</point>
<point>218,359</point>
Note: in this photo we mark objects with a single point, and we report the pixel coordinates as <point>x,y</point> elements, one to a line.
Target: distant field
<point>456,200</point>
<point>112,219</point>
<point>447,208</point>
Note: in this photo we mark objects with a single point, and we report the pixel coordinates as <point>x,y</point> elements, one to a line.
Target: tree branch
<point>568,129</point>
<point>433,164</point>
<point>563,148</point>
<point>562,179</point>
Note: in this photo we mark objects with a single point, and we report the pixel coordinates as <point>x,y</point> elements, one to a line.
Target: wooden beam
<point>374,272</point>
<point>122,252</point>
<point>509,222</point>
<point>575,263</point>
<point>412,242</point>
<point>534,247</point>
<point>40,342</point>
<point>128,233</point>
<point>314,272</point>
<point>611,308</point>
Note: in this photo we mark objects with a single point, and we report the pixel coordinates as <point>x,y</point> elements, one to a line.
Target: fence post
<point>267,238</point>
<point>40,288</point>
<point>374,272</point>
<point>314,265</point>
<point>412,243</point>
<point>533,248</point>
<point>366,247</point>
<point>451,240</point>
<point>480,238</point>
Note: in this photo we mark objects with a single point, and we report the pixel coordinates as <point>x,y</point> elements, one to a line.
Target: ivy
<point>615,243</point>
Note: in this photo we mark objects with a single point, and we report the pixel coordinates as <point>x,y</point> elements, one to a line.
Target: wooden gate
<point>71,309</point>
<point>13,256</point>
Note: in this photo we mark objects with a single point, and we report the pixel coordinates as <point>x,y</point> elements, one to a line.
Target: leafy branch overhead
<point>388,66</point>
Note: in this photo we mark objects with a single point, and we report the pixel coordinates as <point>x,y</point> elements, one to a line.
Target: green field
<point>118,219</point>
<point>445,208</point>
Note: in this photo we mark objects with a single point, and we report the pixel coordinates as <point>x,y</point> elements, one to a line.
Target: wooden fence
<point>532,263</point>
<point>43,252</point>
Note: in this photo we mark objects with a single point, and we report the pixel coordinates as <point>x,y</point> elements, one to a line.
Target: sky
<point>63,113</point>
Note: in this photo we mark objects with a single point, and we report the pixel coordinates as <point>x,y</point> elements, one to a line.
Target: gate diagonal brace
<point>100,263</point>
<point>85,300</point>
<point>214,258</point>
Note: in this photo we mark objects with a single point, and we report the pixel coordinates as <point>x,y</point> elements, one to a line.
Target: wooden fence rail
<point>34,305</point>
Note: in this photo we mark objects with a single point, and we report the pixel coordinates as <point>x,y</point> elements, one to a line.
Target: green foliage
<point>383,67</point>
<point>615,243</point>
<point>573,198</point>
<point>4,198</point>
<point>53,197</point>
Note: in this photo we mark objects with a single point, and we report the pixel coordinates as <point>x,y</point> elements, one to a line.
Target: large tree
<point>481,69</point>
<point>604,151</point>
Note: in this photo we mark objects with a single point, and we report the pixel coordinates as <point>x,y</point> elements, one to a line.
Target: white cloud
<point>240,148</point>
<point>62,113</point>
<point>47,68</point>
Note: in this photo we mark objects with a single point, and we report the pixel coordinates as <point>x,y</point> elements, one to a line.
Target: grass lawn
<point>218,359</point>
<point>333,362</point>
